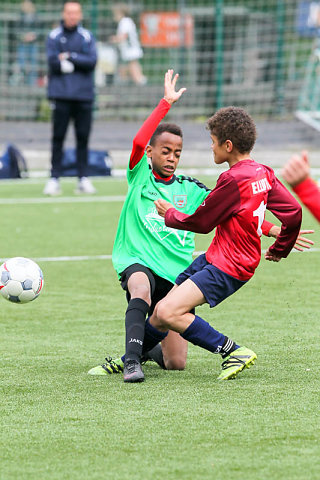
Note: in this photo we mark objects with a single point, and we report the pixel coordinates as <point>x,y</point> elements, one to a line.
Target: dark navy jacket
<point>80,43</point>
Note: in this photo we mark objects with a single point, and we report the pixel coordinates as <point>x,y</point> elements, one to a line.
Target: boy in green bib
<point>147,255</point>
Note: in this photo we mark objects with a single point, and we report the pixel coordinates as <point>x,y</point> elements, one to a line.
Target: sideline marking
<point>80,199</point>
<point>80,258</point>
<point>76,258</point>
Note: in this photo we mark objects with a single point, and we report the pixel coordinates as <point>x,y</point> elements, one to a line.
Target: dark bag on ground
<point>13,163</point>
<point>99,163</point>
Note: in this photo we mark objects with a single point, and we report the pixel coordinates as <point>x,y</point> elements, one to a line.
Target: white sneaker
<point>52,187</point>
<point>85,186</point>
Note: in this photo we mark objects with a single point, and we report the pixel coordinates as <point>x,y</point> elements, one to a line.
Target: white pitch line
<point>38,177</point>
<point>53,200</point>
<point>76,258</point>
<point>81,258</point>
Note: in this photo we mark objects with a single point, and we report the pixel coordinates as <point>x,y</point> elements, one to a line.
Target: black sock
<point>156,355</point>
<point>135,322</point>
<point>228,347</point>
<point>152,337</point>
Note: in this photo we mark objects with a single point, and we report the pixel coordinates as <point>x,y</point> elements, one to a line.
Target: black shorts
<point>159,286</point>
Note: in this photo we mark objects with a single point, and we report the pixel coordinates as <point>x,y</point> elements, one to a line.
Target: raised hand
<point>170,93</point>
<point>297,169</point>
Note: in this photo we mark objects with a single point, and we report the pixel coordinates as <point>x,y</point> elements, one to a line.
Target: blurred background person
<point>72,57</point>
<point>129,45</point>
<point>296,173</point>
<point>27,50</point>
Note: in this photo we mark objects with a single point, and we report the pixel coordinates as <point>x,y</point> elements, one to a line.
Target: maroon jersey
<point>236,206</point>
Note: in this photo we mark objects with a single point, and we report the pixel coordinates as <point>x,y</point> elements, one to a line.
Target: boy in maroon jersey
<point>236,207</point>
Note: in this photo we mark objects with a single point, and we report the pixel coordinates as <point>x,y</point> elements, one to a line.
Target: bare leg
<point>123,72</point>
<point>135,70</point>
<point>139,287</point>
<point>174,349</point>
<point>173,311</point>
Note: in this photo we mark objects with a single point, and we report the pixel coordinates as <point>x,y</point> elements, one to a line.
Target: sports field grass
<point>58,423</point>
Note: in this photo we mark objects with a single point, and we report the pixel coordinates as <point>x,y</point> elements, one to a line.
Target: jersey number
<point>260,214</point>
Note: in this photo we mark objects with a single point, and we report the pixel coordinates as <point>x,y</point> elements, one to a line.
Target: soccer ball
<point>21,280</point>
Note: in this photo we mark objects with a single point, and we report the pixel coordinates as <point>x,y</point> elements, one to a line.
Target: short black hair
<point>70,1</point>
<point>166,127</point>
<point>235,124</point>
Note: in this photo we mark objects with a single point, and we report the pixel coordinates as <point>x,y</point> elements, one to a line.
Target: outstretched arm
<point>145,132</point>
<point>301,242</point>
<point>221,202</point>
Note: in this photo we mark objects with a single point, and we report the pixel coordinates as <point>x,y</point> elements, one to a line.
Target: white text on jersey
<point>260,186</point>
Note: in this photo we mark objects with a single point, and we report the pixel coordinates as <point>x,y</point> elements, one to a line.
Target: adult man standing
<point>72,57</point>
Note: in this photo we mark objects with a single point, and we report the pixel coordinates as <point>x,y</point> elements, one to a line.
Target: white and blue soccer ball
<point>21,280</point>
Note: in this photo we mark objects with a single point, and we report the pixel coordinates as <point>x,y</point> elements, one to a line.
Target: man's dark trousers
<point>63,112</point>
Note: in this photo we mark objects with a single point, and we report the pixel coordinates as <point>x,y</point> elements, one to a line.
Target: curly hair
<point>235,124</point>
<point>166,127</point>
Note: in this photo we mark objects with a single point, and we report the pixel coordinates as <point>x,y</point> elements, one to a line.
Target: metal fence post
<point>219,53</point>
<point>94,17</point>
<point>279,80</point>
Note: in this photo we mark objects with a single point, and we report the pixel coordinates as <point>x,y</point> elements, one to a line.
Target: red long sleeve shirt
<point>146,130</point>
<point>309,194</point>
<point>236,206</point>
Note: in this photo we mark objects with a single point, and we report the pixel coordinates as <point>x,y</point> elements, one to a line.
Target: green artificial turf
<point>58,423</point>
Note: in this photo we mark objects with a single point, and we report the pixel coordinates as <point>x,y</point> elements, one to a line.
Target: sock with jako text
<point>155,354</point>
<point>135,324</point>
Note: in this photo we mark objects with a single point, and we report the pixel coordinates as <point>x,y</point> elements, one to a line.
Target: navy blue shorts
<point>215,284</point>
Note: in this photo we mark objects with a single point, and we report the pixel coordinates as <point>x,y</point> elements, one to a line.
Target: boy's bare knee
<point>175,363</point>
<point>163,313</point>
<point>142,292</point>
